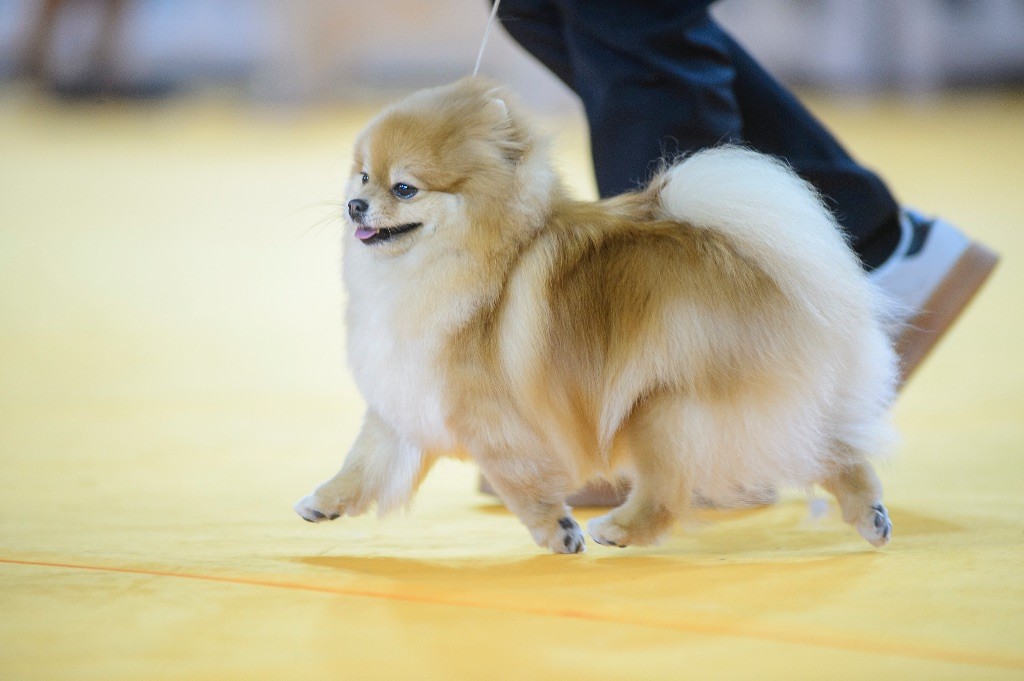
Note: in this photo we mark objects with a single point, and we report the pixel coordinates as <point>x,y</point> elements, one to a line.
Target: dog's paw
<point>604,530</point>
<point>875,526</point>
<point>315,510</point>
<point>566,537</point>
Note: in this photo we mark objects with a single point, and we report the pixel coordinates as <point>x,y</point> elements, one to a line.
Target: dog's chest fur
<point>399,327</point>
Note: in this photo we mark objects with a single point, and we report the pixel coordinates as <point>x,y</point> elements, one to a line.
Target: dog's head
<point>445,166</point>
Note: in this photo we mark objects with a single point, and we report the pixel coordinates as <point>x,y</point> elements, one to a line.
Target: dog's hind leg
<point>859,493</point>
<point>660,493</point>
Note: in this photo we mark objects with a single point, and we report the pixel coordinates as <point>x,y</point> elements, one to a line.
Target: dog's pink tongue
<point>363,233</point>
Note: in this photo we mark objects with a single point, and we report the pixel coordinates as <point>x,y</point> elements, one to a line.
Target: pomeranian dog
<point>710,333</point>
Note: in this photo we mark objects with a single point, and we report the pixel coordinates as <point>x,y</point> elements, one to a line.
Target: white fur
<point>786,438</point>
<point>451,332</point>
<point>844,382</point>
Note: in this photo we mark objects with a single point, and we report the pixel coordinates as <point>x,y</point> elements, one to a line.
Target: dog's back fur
<point>711,332</point>
<point>726,284</point>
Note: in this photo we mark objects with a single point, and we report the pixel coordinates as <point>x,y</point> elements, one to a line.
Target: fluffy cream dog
<point>712,332</point>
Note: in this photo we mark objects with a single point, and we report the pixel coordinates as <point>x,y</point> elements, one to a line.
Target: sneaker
<point>932,276</point>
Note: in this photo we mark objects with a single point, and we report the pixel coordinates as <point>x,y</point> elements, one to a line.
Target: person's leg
<point>625,58</point>
<point>776,123</point>
<point>657,79</point>
<point>928,267</point>
<point>104,58</point>
<point>655,82</point>
<point>537,26</point>
<point>40,42</point>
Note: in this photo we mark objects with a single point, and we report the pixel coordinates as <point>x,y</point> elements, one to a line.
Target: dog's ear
<point>510,136</point>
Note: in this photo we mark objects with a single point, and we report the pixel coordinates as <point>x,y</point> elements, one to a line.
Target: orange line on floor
<point>835,642</point>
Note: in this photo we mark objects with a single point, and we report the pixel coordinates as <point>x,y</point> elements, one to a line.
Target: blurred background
<point>307,51</point>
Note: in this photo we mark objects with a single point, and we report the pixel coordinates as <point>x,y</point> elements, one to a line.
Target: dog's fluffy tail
<point>777,221</point>
<point>772,218</point>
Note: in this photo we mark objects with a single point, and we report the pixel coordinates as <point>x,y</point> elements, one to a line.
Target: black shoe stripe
<point>921,229</point>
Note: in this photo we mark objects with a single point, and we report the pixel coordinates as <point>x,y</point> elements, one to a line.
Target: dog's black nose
<point>357,208</point>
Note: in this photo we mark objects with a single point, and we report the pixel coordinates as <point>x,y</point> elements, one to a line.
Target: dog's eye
<point>404,191</point>
<point>366,178</point>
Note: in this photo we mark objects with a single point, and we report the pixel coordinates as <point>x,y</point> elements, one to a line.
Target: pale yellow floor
<point>172,379</point>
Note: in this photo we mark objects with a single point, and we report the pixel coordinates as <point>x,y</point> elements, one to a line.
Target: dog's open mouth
<point>369,235</point>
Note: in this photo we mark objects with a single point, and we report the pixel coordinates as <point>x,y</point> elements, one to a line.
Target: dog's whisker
<point>333,219</point>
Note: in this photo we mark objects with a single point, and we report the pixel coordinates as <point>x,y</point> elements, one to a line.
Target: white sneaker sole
<point>956,290</point>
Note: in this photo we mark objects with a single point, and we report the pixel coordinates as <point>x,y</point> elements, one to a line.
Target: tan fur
<point>693,348</point>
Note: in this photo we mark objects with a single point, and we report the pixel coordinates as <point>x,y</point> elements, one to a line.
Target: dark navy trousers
<point>661,77</point>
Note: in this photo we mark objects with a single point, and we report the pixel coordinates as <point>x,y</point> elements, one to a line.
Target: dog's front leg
<point>535,490</point>
<point>380,468</point>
